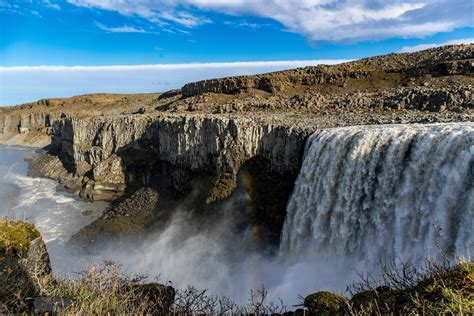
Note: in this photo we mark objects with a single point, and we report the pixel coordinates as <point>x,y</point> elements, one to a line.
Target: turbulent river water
<point>363,195</point>
<point>56,213</point>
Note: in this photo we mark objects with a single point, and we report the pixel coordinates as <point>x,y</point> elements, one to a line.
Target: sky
<point>60,48</point>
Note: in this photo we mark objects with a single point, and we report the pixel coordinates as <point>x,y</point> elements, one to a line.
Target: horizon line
<point>197,65</point>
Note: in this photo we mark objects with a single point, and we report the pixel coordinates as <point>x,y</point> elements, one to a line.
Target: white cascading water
<point>382,193</point>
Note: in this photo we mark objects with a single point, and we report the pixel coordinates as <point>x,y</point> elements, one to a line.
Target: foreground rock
<point>27,284</point>
<point>326,303</point>
<point>25,270</point>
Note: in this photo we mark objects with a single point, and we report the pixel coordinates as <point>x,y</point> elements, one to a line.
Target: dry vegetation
<point>27,286</point>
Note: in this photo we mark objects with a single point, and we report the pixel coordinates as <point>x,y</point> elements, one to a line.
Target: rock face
<point>107,157</point>
<point>110,150</point>
<point>28,128</point>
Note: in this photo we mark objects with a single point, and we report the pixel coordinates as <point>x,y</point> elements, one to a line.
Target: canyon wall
<point>233,140</point>
<point>27,129</point>
<point>108,148</point>
<point>205,157</point>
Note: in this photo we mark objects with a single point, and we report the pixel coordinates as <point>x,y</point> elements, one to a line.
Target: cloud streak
<point>239,64</point>
<point>119,29</point>
<point>417,48</point>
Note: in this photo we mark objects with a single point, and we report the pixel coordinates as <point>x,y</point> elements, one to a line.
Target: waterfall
<point>374,193</point>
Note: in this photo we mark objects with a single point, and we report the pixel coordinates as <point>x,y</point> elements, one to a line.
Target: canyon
<point>242,143</point>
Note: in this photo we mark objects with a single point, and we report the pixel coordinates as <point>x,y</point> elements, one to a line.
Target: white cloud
<point>159,12</point>
<point>245,24</point>
<point>28,83</point>
<point>416,48</point>
<point>239,64</point>
<point>321,20</point>
<point>51,5</point>
<point>120,29</point>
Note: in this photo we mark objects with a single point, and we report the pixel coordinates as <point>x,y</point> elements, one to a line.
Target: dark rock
<point>51,304</point>
<point>124,218</point>
<point>326,303</point>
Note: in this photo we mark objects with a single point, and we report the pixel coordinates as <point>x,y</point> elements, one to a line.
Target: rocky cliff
<point>106,151</point>
<point>234,140</point>
<point>31,124</point>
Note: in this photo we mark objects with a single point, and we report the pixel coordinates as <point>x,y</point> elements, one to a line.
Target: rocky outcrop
<point>424,99</point>
<point>210,155</point>
<point>32,129</point>
<point>326,303</point>
<point>122,219</point>
<point>453,60</point>
<point>25,269</point>
<point>27,284</point>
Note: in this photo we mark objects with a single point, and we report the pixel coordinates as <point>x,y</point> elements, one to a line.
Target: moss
<point>19,257</point>
<point>379,299</point>
<point>123,225</point>
<point>448,291</point>
<point>16,236</point>
<point>325,303</point>
<point>220,189</point>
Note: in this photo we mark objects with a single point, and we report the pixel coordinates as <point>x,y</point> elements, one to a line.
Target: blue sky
<point>97,33</point>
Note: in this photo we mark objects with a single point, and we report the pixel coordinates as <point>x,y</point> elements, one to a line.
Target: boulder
<point>326,303</point>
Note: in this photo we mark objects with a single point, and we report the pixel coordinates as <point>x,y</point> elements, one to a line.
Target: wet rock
<point>123,218</point>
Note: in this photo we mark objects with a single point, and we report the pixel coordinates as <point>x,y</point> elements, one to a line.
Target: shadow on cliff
<point>253,188</point>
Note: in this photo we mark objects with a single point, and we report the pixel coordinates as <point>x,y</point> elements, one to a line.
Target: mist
<point>214,254</point>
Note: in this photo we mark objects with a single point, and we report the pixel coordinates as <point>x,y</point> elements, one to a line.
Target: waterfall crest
<point>382,192</point>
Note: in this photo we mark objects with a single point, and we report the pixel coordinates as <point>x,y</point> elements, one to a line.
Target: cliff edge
<point>238,140</point>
